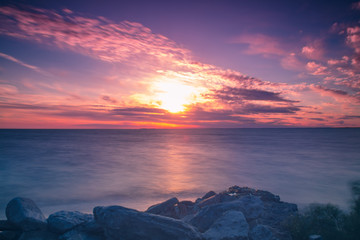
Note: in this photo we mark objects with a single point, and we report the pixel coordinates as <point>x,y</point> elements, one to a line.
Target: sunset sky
<point>179,64</point>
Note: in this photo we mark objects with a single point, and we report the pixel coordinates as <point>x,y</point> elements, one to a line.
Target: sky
<point>179,64</point>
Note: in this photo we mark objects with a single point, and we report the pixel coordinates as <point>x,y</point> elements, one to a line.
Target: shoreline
<point>240,212</point>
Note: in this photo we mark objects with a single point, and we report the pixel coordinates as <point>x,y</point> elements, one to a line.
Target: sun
<point>173,96</point>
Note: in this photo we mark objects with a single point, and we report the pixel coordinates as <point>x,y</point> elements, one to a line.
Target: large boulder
<point>80,235</point>
<point>232,225</point>
<point>6,225</point>
<point>121,223</point>
<point>261,232</point>
<point>265,196</point>
<point>38,235</point>
<point>251,206</point>
<point>64,221</point>
<point>166,208</point>
<point>214,199</point>
<point>10,235</point>
<point>23,213</point>
<point>172,208</point>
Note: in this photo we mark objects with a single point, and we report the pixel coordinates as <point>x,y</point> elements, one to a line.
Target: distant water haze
<point>80,169</point>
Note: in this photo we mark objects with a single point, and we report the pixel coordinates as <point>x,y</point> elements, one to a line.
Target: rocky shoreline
<point>239,213</point>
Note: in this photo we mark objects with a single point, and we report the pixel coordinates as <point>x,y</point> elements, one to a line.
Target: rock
<point>209,194</point>
<point>63,221</point>
<point>251,206</point>
<point>6,225</point>
<point>128,224</point>
<point>315,237</point>
<point>231,225</point>
<point>244,191</point>
<point>10,235</point>
<point>79,235</point>
<point>23,213</point>
<point>277,213</point>
<point>172,208</point>
<point>218,198</point>
<point>90,227</point>
<point>38,235</point>
<point>166,208</point>
<point>261,232</point>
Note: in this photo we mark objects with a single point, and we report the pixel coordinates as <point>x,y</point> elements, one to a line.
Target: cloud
<point>98,38</point>
<point>221,97</point>
<point>252,108</point>
<point>109,99</point>
<point>313,50</point>
<point>15,60</point>
<point>337,94</point>
<point>260,44</point>
<point>231,94</point>
<point>353,38</point>
<point>316,68</point>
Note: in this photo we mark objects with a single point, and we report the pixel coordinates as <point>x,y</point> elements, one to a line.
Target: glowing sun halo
<point>173,96</point>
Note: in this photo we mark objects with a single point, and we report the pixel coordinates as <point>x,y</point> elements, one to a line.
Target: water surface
<point>80,169</point>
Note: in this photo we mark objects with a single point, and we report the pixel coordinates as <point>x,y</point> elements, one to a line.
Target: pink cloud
<point>260,44</point>
<point>292,62</point>
<point>343,61</point>
<point>228,97</point>
<point>316,68</point>
<point>15,60</point>
<point>314,50</point>
<point>353,38</point>
<point>98,38</point>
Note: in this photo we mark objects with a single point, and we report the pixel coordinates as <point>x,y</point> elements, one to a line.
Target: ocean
<point>81,169</point>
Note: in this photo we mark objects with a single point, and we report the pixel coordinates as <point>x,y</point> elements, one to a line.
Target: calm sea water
<point>80,169</point>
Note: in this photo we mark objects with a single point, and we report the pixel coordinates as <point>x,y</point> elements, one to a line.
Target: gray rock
<point>63,221</point>
<point>90,227</point>
<point>231,225</point>
<point>79,235</point>
<point>315,237</point>
<point>23,213</point>
<point>261,232</point>
<point>166,208</point>
<point>277,213</point>
<point>214,199</point>
<point>172,208</point>
<point>38,235</point>
<point>209,194</point>
<point>128,224</point>
<point>244,191</point>
<point>251,206</point>
<point>6,225</point>
<point>10,235</point>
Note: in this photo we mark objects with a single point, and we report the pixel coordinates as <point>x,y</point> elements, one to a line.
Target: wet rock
<point>63,221</point>
<point>315,237</point>
<point>261,232</point>
<point>23,213</point>
<point>218,198</point>
<point>90,227</point>
<point>251,206</point>
<point>209,194</point>
<point>128,224</point>
<point>231,225</point>
<point>38,235</point>
<point>10,235</point>
<point>172,208</point>
<point>244,191</point>
<point>6,225</point>
<point>275,215</point>
<point>80,235</point>
<point>166,208</point>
